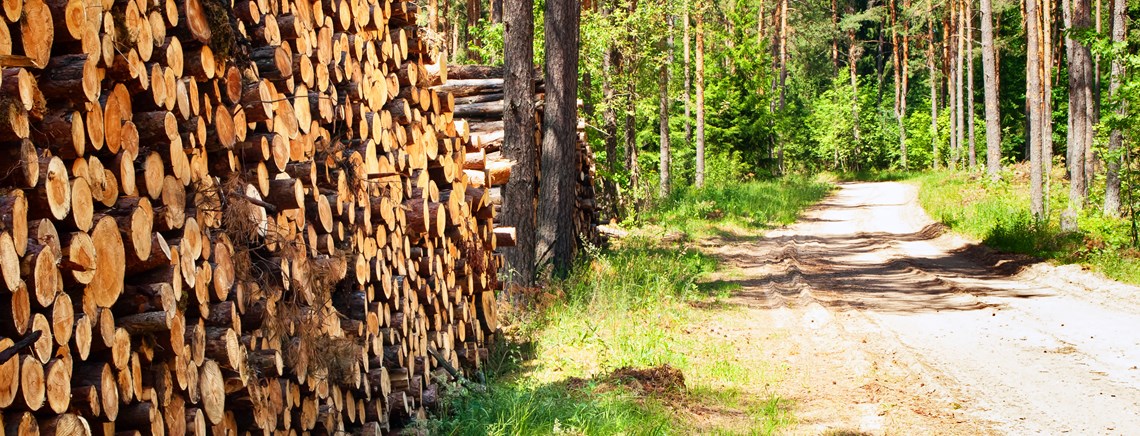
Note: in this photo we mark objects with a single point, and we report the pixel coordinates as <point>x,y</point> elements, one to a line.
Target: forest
<point>682,93</point>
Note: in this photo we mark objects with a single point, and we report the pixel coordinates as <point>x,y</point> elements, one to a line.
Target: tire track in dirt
<point>884,323</point>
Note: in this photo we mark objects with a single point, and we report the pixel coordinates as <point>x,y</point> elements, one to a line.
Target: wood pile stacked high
<point>220,216</point>
<point>478,92</point>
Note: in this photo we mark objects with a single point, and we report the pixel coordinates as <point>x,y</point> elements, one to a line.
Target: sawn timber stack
<point>234,216</point>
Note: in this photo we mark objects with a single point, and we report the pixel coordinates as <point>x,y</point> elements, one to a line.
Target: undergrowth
<point>753,205</point>
<point>998,214</point>
<point>562,364</point>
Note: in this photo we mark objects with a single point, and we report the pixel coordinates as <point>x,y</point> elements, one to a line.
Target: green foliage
<point>998,214</point>
<point>489,51</point>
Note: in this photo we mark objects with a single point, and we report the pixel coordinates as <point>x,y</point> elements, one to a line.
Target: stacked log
<point>223,216</point>
<point>478,92</point>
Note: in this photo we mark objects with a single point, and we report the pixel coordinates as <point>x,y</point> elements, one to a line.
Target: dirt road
<point>880,322</point>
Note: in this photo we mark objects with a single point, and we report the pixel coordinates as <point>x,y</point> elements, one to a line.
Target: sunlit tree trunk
<point>853,52</point>
<point>970,110</point>
<point>933,90</point>
<point>1033,92</point>
<point>688,79</point>
<point>900,98</point>
<point>953,101</point>
<point>1046,12</point>
<point>663,121</point>
<point>1081,111</point>
<point>1116,138</point>
<point>990,85</point>
<point>783,72</point>
<point>700,97</point>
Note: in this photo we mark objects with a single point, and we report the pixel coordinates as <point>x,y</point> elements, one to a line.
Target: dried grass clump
<point>337,357</point>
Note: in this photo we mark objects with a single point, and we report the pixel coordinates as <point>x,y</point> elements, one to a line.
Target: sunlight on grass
<point>647,302</point>
<point>743,207</point>
<point>628,307</point>
<point>998,214</point>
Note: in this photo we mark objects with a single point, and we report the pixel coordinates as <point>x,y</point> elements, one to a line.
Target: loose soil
<point>873,319</point>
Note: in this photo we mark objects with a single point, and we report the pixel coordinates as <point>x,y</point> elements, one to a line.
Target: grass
<point>640,305</point>
<point>753,205</point>
<point>998,214</point>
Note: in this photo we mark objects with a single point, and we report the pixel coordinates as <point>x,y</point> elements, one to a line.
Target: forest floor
<point>876,320</point>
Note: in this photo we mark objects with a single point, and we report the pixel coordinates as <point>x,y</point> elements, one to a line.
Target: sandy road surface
<point>879,322</point>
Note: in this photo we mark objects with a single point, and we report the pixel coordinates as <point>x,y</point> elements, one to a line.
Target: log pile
<point>478,92</point>
<point>223,216</point>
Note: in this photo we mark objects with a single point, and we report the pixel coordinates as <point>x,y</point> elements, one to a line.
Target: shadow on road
<point>852,272</point>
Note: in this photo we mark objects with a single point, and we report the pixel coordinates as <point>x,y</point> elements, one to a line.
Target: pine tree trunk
<point>557,193</point>
<point>700,96</point>
<point>970,110</point>
<point>896,67</point>
<point>629,130</point>
<point>950,44</point>
<point>609,118</point>
<point>852,67</point>
<point>905,81</point>
<point>1033,94</point>
<point>933,92</point>
<point>783,73</point>
<point>835,36</point>
<point>663,113</point>
<point>518,137</point>
<point>688,79</point>
<point>1046,11</point>
<point>1081,111</point>
<point>1116,138</point>
<point>990,85</point>
<point>959,95</point>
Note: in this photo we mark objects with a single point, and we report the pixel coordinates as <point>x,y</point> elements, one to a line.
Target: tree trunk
<point>688,78</point>
<point>557,193</point>
<point>970,111</point>
<point>609,118</point>
<point>700,96</point>
<point>933,91</point>
<point>949,43</point>
<point>630,132</point>
<point>783,73</point>
<point>852,63</point>
<point>663,113</point>
<point>1033,92</point>
<point>518,137</point>
<point>990,85</point>
<point>1081,111</point>
<point>1116,138</point>
<point>1046,58</point>
<point>957,113</point>
<point>835,32</point>
<point>896,67</point>
<point>905,81</point>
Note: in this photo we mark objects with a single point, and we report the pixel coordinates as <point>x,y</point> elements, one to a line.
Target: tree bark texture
<point>1112,205</point>
<point>518,137</point>
<point>700,67</point>
<point>559,140</point>
<point>990,85</point>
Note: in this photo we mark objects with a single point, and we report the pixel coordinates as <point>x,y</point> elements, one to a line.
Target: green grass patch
<point>998,214</point>
<point>870,176</point>
<point>753,205</point>
<point>643,304</point>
